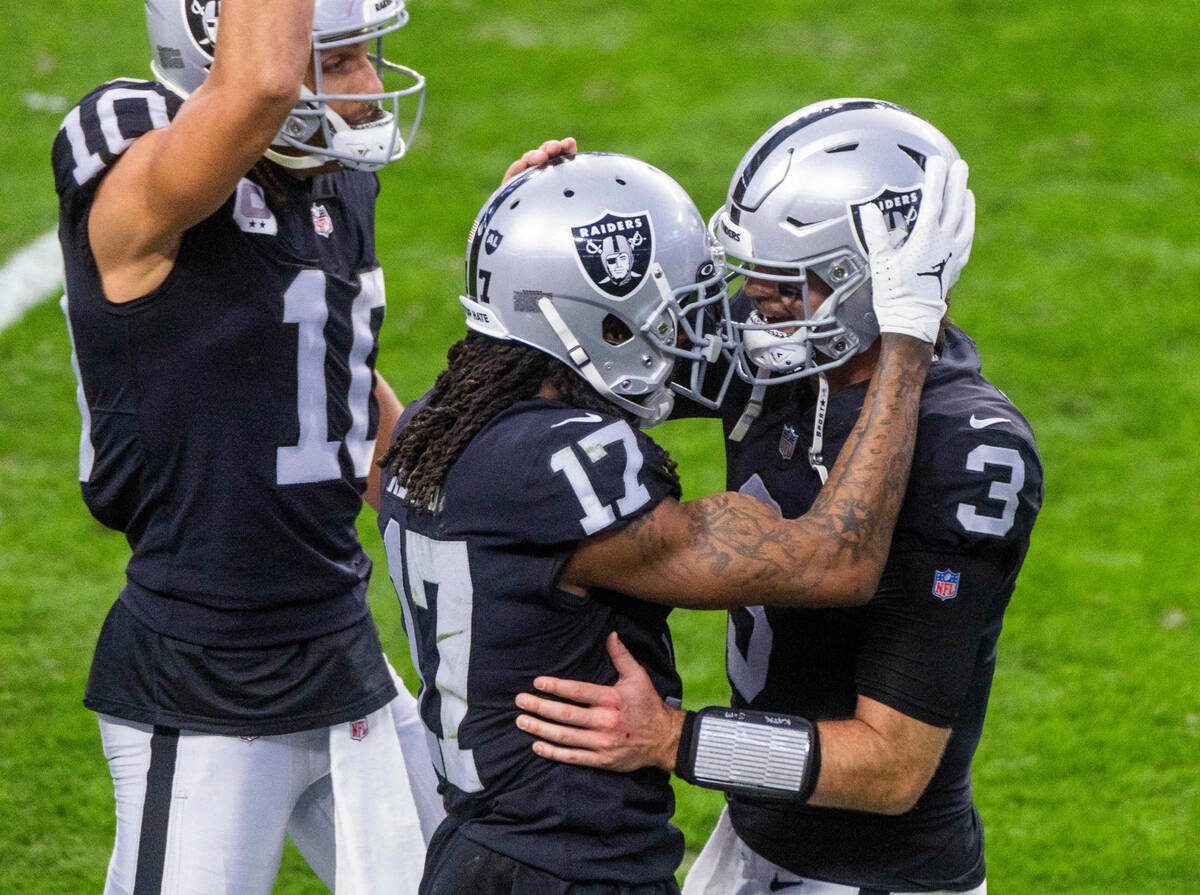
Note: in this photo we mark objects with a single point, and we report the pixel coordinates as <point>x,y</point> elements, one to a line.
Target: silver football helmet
<point>793,210</point>
<point>183,34</point>
<point>603,262</point>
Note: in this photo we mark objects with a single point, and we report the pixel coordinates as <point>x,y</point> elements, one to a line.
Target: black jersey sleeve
<point>100,128</point>
<point>578,473</point>
<point>972,488</point>
<point>972,500</point>
<point>932,614</point>
<point>543,476</point>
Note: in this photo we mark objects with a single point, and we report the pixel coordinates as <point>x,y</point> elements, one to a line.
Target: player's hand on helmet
<point>909,282</point>
<point>960,252</point>
<point>534,157</point>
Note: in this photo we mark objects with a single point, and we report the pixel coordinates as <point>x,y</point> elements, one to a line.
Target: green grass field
<point>1082,128</point>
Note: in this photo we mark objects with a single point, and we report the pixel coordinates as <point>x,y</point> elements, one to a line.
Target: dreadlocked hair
<point>483,377</point>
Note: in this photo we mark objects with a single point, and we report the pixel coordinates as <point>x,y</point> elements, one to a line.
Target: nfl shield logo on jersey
<point>615,251</point>
<point>945,584</point>
<point>322,222</point>
<point>787,441</point>
<point>358,729</point>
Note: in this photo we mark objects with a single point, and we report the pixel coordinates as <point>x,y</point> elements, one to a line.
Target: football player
<point>893,693</point>
<point>525,517</point>
<point>225,300</point>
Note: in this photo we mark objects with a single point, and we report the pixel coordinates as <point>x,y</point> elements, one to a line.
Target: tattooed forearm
<point>732,550</point>
<point>745,542</point>
<point>869,480</point>
<point>840,546</point>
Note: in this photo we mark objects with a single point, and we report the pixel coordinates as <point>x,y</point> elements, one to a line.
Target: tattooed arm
<point>731,550</point>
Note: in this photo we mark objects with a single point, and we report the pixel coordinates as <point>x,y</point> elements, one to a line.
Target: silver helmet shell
<point>603,262</point>
<point>792,208</point>
<point>183,35</point>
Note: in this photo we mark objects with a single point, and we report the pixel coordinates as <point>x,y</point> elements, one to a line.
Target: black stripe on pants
<point>156,811</point>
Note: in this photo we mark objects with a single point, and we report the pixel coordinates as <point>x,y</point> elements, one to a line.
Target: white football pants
<point>203,814</point>
<point>728,866</point>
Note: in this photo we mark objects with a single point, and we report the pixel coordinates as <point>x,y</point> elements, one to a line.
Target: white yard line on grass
<point>34,273</point>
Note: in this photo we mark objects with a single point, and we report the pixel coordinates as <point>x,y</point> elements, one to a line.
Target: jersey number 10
<point>314,458</point>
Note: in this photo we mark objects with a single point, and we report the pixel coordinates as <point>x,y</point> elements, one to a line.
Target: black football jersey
<point>925,645</point>
<point>229,416</point>
<point>476,581</point>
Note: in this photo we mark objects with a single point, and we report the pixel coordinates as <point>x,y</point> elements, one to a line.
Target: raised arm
<point>173,177</point>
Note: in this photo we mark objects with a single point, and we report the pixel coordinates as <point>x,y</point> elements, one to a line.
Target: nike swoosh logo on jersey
<point>586,418</point>
<point>977,423</point>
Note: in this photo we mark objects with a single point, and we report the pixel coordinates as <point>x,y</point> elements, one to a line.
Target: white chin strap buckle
<point>367,147</point>
<point>775,350</point>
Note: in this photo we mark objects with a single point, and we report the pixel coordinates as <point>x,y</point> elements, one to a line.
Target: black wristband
<point>685,755</point>
<point>760,754</point>
<point>813,771</point>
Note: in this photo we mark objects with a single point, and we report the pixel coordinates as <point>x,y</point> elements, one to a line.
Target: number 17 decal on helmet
<point>603,262</point>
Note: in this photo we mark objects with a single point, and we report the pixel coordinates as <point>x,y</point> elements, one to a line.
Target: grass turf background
<point>1082,128</point>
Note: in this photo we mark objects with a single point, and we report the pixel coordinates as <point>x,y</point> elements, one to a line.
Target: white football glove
<point>909,282</point>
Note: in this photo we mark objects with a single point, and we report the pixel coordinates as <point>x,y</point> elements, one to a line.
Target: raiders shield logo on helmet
<point>899,207</point>
<point>615,251</point>
<point>202,21</point>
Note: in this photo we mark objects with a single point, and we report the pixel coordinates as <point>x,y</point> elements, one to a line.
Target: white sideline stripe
<point>32,275</point>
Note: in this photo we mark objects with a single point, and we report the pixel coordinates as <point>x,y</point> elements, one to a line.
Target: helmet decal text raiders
<point>616,251</point>
<point>899,207</point>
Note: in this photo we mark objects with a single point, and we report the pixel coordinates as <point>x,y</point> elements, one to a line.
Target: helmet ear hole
<point>615,331</point>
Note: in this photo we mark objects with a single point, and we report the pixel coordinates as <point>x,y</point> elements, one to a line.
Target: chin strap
<point>587,369</point>
<point>815,460</point>
<point>753,406</point>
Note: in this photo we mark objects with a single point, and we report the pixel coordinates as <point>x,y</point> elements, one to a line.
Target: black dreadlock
<point>483,377</point>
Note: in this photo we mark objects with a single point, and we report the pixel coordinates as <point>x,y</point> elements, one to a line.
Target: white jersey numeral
<point>597,515</point>
<point>314,458</point>
<point>748,672</point>
<point>87,452</point>
<point>362,380</point>
<point>442,566</point>
<point>89,164</point>
<point>1009,491</point>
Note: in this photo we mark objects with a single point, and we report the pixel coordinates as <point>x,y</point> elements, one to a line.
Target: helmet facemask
<point>819,340</point>
<point>183,35</point>
<point>603,262</point>
<point>792,211</point>
<point>314,134</point>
